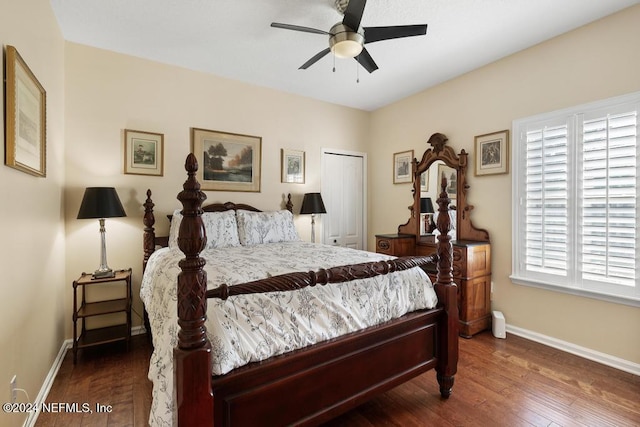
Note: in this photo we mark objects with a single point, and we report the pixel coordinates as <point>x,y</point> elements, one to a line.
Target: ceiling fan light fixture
<point>345,43</point>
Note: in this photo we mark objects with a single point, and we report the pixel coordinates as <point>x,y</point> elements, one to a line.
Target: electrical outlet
<point>13,387</point>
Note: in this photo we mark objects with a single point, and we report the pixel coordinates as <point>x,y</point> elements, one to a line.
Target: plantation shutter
<point>546,200</point>
<point>575,192</point>
<point>608,199</point>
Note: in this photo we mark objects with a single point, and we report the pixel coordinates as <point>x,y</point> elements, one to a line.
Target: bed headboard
<point>151,241</point>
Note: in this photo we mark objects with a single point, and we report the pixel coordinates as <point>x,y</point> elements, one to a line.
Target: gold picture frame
<point>292,166</point>
<point>228,161</point>
<point>402,173</point>
<point>25,117</point>
<point>143,153</point>
<point>492,153</point>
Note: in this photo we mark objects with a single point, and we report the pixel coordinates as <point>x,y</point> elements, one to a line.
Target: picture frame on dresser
<point>25,117</point>
<point>143,153</point>
<point>229,161</point>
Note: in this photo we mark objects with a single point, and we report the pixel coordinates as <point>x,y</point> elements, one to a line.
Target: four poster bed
<point>293,374</point>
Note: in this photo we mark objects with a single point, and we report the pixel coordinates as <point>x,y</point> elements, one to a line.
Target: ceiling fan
<point>347,38</point>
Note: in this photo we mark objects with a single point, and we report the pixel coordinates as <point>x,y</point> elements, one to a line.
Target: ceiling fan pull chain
<point>334,62</point>
<point>358,70</point>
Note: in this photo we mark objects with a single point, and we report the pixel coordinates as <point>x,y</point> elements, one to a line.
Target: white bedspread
<point>250,328</point>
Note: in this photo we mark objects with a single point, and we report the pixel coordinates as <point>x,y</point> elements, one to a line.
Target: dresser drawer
<point>395,244</point>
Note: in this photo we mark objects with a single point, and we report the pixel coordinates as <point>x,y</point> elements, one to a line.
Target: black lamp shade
<point>312,204</point>
<point>100,202</point>
<point>426,206</point>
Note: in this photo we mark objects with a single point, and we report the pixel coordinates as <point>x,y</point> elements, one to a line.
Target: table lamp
<point>101,203</point>
<point>312,204</point>
<point>426,207</point>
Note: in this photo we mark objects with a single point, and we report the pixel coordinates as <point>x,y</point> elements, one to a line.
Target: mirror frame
<point>465,230</point>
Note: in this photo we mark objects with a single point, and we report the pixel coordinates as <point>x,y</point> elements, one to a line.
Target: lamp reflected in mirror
<point>426,210</point>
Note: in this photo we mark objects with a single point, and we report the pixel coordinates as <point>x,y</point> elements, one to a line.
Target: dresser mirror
<point>471,248</point>
<point>427,173</point>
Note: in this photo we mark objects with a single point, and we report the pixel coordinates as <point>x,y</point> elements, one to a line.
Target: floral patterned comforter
<point>248,328</point>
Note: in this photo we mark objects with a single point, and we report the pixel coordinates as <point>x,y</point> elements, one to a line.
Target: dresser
<point>471,272</point>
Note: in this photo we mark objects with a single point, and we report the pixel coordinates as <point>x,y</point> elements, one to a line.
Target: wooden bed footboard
<point>313,384</point>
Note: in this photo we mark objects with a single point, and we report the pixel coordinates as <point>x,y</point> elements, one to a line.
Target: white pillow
<point>221,229</point>
<point>255,228</point>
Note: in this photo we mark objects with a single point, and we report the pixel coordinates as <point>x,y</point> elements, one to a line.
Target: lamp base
<point>103,274</point>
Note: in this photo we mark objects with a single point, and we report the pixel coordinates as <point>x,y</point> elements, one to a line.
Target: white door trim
<point>365,203</point>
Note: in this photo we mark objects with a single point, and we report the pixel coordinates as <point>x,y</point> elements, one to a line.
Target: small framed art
<point>492,153</point>
<point>25,117</point>
<point>228,161</point>
<point>143,153</point>
<point>292,166</point>
<point>451,175</point>
<point>402,167</point>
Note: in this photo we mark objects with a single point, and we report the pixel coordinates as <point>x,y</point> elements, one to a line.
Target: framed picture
<point>292,166</point>
<point>228,161</point>
<point>25,117</point>
<point>452,180</point>
<point>424,181</point>
<point>402,167</point>
<point>492,153</point>
<point>143,152</point>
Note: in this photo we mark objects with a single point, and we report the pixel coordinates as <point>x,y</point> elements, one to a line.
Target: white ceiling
<point>233,39</point>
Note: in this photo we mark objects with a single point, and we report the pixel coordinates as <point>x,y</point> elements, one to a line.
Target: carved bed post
<point>447,292</point>
<point>149,236</point>
<point>192,356</point>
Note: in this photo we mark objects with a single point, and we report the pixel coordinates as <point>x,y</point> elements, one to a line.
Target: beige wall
<point>32,312</point>
<point>594,62</point>
<point>107,92</point>
<point>93,95</point>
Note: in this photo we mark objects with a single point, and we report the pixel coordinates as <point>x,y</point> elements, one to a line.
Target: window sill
<point>633,302</point>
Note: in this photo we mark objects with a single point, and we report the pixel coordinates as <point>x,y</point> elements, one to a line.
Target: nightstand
<point>109,334</point>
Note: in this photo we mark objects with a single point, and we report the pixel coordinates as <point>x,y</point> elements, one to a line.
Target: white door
<point>344,196</point>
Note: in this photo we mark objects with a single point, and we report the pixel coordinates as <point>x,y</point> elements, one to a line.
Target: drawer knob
<point>384,244</point>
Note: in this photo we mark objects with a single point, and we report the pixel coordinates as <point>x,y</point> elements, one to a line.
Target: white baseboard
<point>51,376</point>
<point>587,353</point>
<point>48,382</point>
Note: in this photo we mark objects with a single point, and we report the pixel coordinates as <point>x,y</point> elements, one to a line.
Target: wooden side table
<point>109,334</point>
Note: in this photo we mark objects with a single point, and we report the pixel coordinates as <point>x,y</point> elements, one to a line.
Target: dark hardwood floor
<point>512,382</point>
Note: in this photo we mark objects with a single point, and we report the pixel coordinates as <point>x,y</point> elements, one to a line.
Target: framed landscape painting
<point>228,161</point>
<point>143,153</point>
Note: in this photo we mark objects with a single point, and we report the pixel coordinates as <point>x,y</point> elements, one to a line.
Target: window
<point>575,200</point>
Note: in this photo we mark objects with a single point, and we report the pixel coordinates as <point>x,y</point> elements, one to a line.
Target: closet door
<point>344,195</point>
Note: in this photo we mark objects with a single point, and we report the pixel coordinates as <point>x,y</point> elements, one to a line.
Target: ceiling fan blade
<point>298,28</point>
<point>353,14</point>
<point>315,59</point>
<point>366,61</point>
<point>376,34</point>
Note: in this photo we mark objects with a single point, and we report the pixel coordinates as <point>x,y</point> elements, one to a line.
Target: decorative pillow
<point>221,229</point>
<point>255,228</point>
